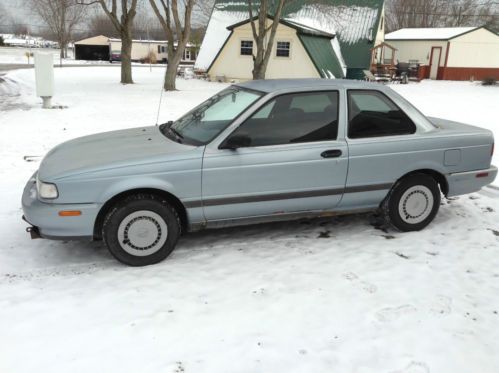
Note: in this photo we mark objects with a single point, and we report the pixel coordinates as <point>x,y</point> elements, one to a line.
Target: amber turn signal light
<point>70,213</point>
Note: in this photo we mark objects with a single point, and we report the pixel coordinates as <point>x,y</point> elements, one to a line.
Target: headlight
<point>46,190</point>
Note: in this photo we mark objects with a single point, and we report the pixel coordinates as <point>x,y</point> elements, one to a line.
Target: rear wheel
<point>141,230</point>
<point>412,203</point>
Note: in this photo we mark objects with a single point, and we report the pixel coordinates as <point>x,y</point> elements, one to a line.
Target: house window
<point>246,47</point>
<point>187,54</point>
<point>283,48</point>
<point>161,49</point>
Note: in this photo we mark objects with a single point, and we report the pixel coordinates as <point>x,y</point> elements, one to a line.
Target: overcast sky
<point>19,11</point>
<point>22,15</point>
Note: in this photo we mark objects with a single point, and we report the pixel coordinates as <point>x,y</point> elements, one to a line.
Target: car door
<point>292,158</point>
<point>383,145</point>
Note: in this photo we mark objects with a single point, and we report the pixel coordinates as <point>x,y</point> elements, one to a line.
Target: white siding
<point>418,50</point>
<point>234,66</point>
<point>141,49</point>
<point>380,34</point>
<point>479,48</point>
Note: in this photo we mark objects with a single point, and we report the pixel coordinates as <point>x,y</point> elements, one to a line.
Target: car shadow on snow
<point>89,256</point>
<point>59,257</point>
<point>295,230</point>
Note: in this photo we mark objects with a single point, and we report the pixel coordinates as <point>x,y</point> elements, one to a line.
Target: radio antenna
<point>161,96</point>
<point>159,105</point>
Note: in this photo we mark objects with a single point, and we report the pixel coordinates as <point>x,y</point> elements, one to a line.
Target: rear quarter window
<point>372,114</point>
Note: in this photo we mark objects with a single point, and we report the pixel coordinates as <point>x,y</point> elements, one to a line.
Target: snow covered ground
<point>17,55</point>
<point>13,55</point>
<point>330,295</point>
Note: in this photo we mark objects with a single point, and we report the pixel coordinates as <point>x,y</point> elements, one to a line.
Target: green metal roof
<point>302,29</point>
<point>322,55</point>
<point>354,22</point>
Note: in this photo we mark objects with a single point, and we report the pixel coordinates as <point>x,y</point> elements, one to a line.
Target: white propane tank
<point>44,75</point>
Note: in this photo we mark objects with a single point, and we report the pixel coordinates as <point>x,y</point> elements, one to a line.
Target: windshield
<point>206,121</point>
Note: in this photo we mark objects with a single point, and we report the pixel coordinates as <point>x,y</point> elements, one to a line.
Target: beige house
<point>315,38</point>
<point>297,51</point>
<point>457,53</point>
<point>104,48</point>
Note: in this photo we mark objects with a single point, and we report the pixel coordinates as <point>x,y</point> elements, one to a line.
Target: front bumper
<point>46,222</point>
<point>471,181</point>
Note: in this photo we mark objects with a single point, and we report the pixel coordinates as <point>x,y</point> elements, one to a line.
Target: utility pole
<point>29,47</point>
<point>149,44</point>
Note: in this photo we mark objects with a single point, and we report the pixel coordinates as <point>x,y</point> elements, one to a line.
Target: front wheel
<point>141,230</point>
<point>413,203</point>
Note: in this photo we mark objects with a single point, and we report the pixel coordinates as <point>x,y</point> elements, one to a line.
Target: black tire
<point>159,220</point>
<point>419,190</point>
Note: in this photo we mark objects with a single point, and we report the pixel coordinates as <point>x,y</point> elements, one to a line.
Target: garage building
<point>101,47</point>
<point>92,49</point>
<point>456,53</point>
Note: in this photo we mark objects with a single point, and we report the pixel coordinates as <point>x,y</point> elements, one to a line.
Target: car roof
<point>272,85</point>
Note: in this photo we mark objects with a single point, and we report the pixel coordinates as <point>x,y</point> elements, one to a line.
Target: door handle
<point>331,153</point>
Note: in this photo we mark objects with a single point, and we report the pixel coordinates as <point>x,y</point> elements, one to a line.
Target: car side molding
<point>284,196</point>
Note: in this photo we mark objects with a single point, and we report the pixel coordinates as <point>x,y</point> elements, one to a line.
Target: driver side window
<point>293,118</point>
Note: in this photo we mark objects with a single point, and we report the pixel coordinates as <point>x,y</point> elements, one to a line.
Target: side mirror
<point>235,142</point>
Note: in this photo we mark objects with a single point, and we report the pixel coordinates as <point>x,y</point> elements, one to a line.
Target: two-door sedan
<point>256,152</point>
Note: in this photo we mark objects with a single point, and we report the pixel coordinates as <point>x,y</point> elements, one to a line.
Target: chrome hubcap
<point>142,233</point>
<point>416,204</point>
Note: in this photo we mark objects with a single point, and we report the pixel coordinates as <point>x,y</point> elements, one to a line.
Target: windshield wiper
<point>179,137</point>
<point>176,133</point>
<point>166,128</point>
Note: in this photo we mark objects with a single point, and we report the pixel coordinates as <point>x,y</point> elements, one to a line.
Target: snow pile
<point>350,23</point>
<point>337,50</point>
<point>438,33</point>
<point>329,295</point>
<point>18,55</point>
<point>217,34</point>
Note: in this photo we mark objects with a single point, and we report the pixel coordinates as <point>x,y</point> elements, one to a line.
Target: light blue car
<point>257,152</point>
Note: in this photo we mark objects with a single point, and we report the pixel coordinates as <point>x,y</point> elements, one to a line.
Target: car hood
<point>111,150</point>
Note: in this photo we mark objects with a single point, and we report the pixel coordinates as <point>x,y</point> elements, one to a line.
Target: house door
<point>436,53</point>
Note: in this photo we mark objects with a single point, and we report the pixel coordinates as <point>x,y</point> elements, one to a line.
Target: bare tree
<point>174,30</point>
<point>441,13</point>
<point>202,12</point>
<point>3,17</point>
<point>472,13</point>
<point>147,26</point>
<point>414,13</point>
<point>263,33</point>
<point>61,18</point>
<point>100,24</point>
<point>123,23</point>
<point>19,28</point>
<point>458,11</point>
